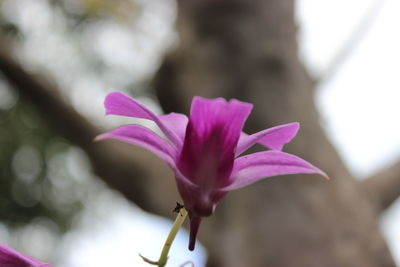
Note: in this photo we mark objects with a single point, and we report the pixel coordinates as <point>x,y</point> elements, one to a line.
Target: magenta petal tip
<point>194,228</point>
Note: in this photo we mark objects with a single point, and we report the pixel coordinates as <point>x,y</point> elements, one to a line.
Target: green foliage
<point>30,172</point>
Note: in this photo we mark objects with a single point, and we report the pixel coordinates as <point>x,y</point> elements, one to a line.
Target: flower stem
<point>168,243</point>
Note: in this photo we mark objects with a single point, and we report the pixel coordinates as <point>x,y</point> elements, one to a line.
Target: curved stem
<point>162,261</point>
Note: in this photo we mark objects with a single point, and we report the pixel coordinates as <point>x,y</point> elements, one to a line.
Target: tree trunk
<point>248,50</point>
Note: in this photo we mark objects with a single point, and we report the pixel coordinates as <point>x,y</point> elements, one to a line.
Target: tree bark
<point>248,50</point>
<point>383,187</point>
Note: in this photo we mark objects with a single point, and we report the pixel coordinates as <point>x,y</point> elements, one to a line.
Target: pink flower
<point>12,258</point>
<point>204,150</point>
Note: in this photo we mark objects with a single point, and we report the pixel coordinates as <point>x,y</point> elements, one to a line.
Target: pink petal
<point>211,137</point>
<point>12,258</point>
<point>254,167</point>
<point>141,136</point>
<point>117,103</point>
<point>176,122</point>
<point>274,138</point>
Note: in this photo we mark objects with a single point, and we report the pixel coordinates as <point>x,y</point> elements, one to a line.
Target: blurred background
<point>53,206</point>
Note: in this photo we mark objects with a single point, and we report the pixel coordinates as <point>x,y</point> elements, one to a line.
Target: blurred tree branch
<point>383,187</point>
<point>352,43</point>
<point>123,168</point>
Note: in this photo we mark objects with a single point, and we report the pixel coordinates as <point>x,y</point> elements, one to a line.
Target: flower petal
<point>254,167</point>
<point>194,228</point>
<point>211,137</point>
<point>141,136</point>
<point>117,103</point>
<point>274,138</point>
<point>12,258</point>
<point>176,122</point>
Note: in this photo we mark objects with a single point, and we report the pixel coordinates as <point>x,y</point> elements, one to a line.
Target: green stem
<point>174,230</point>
